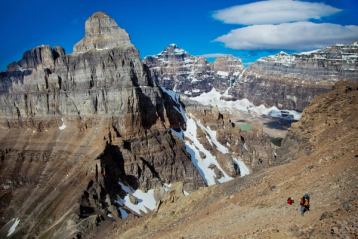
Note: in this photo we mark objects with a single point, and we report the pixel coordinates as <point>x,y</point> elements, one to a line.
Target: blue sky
<point>153,24</point>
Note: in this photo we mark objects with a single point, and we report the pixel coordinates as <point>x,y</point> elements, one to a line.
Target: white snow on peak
<point>179,51</point>
<point>63,126</point>
<point>145,200</point>
<point>214,98</point>
<point>309,52</point>
<point>236,73</point>
<point>223,73</point>
<point>12,229</point>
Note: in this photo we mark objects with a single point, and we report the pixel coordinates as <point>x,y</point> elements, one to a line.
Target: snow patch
<point>167,187</point>
<point>12,229</point>
<point>214,98</point>
<point>63,126</point>
<point>212,138</point>
<point>145,200</point>
<point>202,158</point>
<point>244,170</point>
<point>203,162</point>
<point>309,52</point>
<point>236,73</point>
<point>223,73</point>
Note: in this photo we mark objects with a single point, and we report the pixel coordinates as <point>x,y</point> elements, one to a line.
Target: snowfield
<point>63,126</point>
<point>145,201</point>
<point>202,158</point>
<point>214,98</point>
<point>12,229</point>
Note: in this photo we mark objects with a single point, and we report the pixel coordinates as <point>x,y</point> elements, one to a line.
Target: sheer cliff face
<point>291,81</point>
<point>177,70</point>
<point>73,126</point>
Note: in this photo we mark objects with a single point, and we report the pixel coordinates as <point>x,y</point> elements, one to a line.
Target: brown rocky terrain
<point>319,156</point>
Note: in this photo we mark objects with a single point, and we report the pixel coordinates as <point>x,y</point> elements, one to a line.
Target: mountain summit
<point>102,32</point>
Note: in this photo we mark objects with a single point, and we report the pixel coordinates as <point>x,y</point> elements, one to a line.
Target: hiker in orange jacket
<point>305,204</point>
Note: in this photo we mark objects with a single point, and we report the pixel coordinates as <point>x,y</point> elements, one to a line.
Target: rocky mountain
<point>90,137</point>
<point>177,70</point>
<point>322,152</point>
<point>92,146</point>
<point>287,82</point>
<point>85,136</point>
<point>292,81</point>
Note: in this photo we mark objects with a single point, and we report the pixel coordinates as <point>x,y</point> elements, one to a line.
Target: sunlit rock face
<point>102,32</point>
<point>292,81</point>
<point>73,126</point>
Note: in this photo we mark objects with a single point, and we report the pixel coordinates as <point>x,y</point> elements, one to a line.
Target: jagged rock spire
<point>102,32</point>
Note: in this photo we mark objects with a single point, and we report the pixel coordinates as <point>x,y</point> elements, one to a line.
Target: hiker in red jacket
<point>290,201</point>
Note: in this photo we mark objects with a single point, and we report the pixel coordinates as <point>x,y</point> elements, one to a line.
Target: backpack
<point>305,201</point>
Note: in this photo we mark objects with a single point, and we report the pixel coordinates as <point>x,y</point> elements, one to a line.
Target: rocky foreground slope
<point>320,156</point>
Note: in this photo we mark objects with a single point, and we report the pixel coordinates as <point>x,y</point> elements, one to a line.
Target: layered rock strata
<point>74,126</point>
<point>292,81</point>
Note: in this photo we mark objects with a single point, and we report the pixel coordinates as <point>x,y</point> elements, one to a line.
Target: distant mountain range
<point>283,80</point>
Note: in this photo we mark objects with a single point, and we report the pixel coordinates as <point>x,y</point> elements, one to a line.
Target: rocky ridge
<point>292,81</point>
<point>288,82</point>
<point>177,70</point>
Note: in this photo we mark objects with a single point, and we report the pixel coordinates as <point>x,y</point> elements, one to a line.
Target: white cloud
<point>274,12</point>
<point>214,55</point>
<point>295,36</point>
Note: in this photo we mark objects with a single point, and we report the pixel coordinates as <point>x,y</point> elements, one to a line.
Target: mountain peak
<point>102,32</point>
<point>172,50</point>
